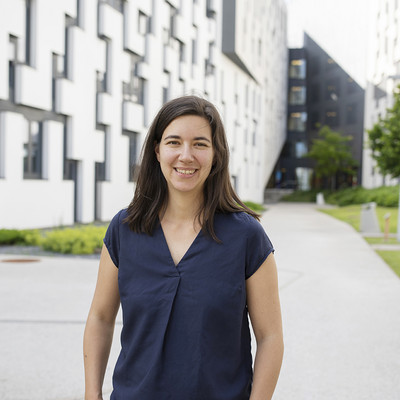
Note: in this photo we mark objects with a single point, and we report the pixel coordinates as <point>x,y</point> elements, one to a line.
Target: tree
<point>332,155</point>
<point>384,140</point>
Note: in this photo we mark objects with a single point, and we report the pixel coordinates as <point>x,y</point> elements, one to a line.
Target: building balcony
<point>104,109</point>
<point>178,28</point>
<point>168,59</point>
<point>132,116</point>
<point>183,71</point>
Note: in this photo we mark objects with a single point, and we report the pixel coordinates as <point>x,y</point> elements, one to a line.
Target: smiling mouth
<point>185,171</point>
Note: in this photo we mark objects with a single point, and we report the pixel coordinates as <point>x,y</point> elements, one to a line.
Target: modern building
<point>383,76</point>
<point>320,93</point>
<point>80,81</point>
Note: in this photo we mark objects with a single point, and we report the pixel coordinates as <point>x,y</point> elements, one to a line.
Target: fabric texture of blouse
<point>185,332</point>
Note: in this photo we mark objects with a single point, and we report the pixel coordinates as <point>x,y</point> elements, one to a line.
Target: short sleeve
<point>259,247</point>
<point>111,239</point>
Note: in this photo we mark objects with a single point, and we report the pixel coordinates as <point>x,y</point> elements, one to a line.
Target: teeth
<point>186,171</point>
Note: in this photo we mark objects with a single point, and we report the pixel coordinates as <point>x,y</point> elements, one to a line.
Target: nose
<point>186,154</point>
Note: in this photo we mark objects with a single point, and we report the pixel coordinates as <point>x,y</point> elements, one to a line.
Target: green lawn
<point>381,240</point>
<point>392,258</point>
<point>352,214</point>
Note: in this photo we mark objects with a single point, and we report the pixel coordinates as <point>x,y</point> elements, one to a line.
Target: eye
<point>201,144</point>
<point>173,142</point>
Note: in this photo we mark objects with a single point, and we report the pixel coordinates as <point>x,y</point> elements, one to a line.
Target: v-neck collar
<point>188,251</point>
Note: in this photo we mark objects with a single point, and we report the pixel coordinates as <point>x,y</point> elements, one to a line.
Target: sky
<point>340,27</point>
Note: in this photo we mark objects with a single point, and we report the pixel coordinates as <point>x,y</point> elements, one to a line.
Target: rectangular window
<point>297,121</point>
<point>165,94</point>
<point>132,155</point>
<point>330,64</point>
<point>332,118</point>
<point>300,149</point>
<point>297,69</point>
<point>28,31</point>
<point>351,113</point>
<point>134,89</point>
<point>332,91</point>
<point>210,8</point>
<point>182,55</point>
<point>297,95</point>
<point>143,24</point>
<point>194,51</point>
<point>116,4</point>
<point>13,59</point>
<point>33,151</point>
<point>70,166</point>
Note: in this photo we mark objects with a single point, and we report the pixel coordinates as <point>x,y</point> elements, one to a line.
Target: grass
<point>352,215</point>
<point>381,240</point>
<point>392,258</point>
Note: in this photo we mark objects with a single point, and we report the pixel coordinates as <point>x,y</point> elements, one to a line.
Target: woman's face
<point>186,153</point>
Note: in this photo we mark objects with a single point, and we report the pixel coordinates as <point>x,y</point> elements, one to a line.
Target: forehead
<point>188,125</point>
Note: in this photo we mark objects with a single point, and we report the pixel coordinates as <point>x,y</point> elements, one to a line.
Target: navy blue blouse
<point>185,332</point>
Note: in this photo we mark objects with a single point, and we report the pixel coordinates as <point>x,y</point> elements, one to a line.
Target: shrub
<point>22,237</point>
<point>82,240</point>
<point>300,196</point>
<point>385,196</point>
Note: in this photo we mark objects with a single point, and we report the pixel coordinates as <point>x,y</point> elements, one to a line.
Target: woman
<point>187,261</point>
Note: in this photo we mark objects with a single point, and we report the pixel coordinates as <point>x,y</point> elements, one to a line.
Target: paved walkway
<point>340,303</point>
<point>341,310</point>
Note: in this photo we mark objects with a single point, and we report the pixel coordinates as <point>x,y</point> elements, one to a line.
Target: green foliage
<point>392,258</point>
<point>385,196</point>
<point>384,139</point>
<point>21,237</point>
<point>256,207</point>
<point>82,240</point>
<point>301,196</point>
<point>332,154</point>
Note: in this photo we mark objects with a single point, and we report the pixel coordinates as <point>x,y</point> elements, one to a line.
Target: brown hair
<point>151,192</point>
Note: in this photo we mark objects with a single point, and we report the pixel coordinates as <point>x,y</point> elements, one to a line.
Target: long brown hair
<point>151,194</point>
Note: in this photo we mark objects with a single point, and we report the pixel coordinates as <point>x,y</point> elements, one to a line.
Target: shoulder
<point>238,221</point>
<point>119,218</point>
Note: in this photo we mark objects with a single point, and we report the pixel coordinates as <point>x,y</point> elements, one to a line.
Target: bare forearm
<point>267,366</point>
<point>96,350</point>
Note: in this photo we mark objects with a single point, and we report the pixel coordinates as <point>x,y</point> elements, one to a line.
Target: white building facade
<point>383,76</point>
<point>81,80</point>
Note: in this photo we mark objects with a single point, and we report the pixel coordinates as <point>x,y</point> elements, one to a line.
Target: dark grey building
<point>320,93</point>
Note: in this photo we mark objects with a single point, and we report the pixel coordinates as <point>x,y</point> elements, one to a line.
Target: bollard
<point>387,224</point>
<point>369,221</point>
<point>320,199</point>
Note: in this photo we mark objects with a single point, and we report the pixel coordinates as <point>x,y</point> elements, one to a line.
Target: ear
<point>157,150</point>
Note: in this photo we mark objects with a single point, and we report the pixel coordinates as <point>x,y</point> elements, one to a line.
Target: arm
<point>265,315</point>
<point>100,326</point>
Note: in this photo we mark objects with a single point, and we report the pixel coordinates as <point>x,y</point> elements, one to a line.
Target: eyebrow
<point>196,138</point>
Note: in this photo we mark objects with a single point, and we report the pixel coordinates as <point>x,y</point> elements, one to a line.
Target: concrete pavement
<point>341,310</point>
<point>340,305</point>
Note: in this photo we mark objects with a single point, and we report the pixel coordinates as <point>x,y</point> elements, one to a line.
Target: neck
<point>182,207</point>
